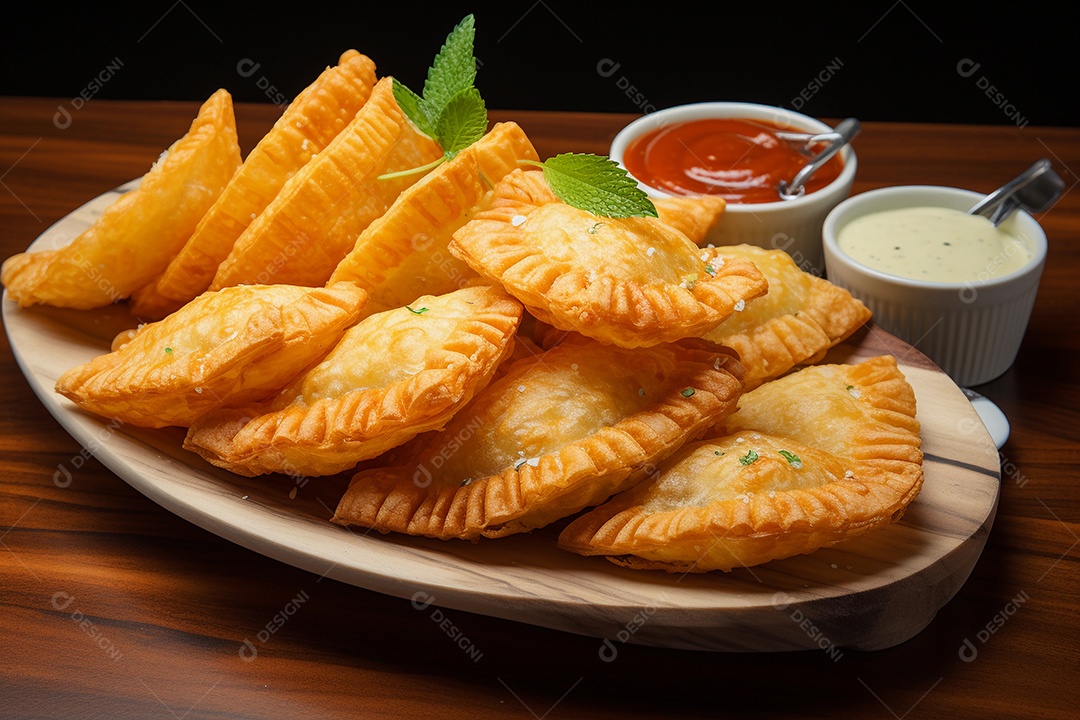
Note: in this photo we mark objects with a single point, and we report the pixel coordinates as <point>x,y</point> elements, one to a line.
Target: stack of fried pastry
<point>497,359</point>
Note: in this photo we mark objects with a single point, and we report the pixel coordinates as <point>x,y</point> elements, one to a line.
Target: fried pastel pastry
<point>557,433</point>
<point>237,345</point>
<point>137,235</point>
<point>321,111</point>
<point>800,318</point>
<point>809,460</point>
<point>403,254</point>
<point>631,282</point>
<point>393,375</point>
<point>314,221</point>
<point>694,217</point>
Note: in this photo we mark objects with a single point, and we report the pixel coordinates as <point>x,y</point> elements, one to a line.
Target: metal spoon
<point>1034,190</point>
<point>844,132</point>
<point>804,143</point>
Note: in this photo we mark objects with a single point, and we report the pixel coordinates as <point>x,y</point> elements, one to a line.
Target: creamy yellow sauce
<point>933,244</point>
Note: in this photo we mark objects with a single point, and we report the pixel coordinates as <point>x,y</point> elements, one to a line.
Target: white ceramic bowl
<point>972,330</point>
<point>791,225</point>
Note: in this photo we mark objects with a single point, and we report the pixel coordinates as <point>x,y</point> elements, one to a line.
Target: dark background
<point>889,60</point>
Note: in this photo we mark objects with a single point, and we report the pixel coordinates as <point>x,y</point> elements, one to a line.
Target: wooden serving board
<point>870,593</point>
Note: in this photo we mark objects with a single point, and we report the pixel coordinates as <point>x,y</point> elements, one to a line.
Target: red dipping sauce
<point>739,160</point>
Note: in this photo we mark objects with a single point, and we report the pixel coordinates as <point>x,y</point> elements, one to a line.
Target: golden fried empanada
<point>309,123</point>
<point>233,346</point>
<point>809,460</point>
<point>136,236</point>
<point>314,221</point>
<point>800,318</point>
<point>694,217</point>
<point>403,254</point>
<point>632,282</point>
<point>556,433</point>
<point>392,376</point>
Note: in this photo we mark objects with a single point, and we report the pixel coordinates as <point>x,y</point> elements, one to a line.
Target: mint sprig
<point>462,122</point>
<point>595,184</point>
<point>413,106</point>
<point>452,71</point>
<point>450,111</point>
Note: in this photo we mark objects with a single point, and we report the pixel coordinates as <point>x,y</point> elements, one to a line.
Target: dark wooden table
<point>111,607</point>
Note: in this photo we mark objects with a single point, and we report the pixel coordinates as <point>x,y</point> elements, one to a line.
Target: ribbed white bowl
<point>973,331</point>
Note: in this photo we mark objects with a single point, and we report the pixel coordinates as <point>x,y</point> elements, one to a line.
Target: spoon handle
<point>1035,189</point>
<point>845,131</point>
<point>1004,209</point>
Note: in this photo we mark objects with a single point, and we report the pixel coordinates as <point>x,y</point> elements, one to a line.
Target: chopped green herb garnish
<point>168,351</point>
<point>421,311</point>
<point>792,458</point>
<point>718,453</point>
<point>748,458</point>
<point>688,392</point>
<point>709,269</point>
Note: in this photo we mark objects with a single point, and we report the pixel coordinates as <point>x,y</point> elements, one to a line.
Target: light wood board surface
<point>870,593</point>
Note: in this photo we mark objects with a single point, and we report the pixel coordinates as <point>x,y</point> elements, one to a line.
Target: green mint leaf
<point>413,106</point>
<point>453,70</point>
<point>748,458</point>
<point>596,184</point>
<point>421,311</point>
<point>463,121</point>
